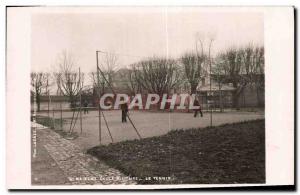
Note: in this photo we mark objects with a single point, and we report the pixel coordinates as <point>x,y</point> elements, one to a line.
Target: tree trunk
<point>72,100</point>
<point>235,96</point>
<point>220,99</point>
<point>38,102</point>
<point>193,89</point>
<point>257,96</point>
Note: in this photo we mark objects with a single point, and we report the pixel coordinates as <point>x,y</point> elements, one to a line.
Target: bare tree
<point>68,79</point>
<point>157,75</point>
<point>196,63</point>
<point>253,59</point>
<point>194,69</point>
<point>219,76</point>
<point>99,87</point>
<point>134,86</point>
<point>232,61</point>
<point>39,82</point>
<point>260,70</point>
<point>241,67</point>
<point>109,65</point>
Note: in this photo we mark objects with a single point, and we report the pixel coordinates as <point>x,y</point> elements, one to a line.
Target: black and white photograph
<point>149,96</point>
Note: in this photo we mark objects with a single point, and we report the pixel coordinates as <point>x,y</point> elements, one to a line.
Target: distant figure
<point>124,108</point>
<point>196,103</point>
<point>85,105</point>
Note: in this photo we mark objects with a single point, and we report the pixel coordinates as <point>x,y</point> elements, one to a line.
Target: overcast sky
<point>136,33</point>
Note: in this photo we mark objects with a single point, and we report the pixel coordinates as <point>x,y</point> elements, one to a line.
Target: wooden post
<point>110,86</point>
<point>52,111</point>
<point>210,80</point>
<point>134,126</point>
<point>99,118</point>
<point>48,109</point>
<point>48,100</point>
<point>61,118</point>
<point>80,105</point>
<point>99,95</point>
<point>112,140</point>
<point>72,121</point>
<point>53,119</point>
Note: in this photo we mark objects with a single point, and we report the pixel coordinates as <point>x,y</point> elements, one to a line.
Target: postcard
<point>149,97</point>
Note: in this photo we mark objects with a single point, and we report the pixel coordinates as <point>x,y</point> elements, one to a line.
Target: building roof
<point>215,87</point>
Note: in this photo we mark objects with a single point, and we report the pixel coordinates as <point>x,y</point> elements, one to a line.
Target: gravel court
<point>148,124</point>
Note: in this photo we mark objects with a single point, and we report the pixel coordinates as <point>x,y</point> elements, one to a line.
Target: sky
<point>136,33</point>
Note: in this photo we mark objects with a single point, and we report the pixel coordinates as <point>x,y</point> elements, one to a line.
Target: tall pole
<point>80,102</point>
<point>99,95</point>
<point>110,86</point>
<point>52,109</point>
<point>61,118</point>
<point>210,81</point>
<point>48,99</point>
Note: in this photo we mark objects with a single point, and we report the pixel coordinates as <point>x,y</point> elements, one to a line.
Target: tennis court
<point>148,124</point>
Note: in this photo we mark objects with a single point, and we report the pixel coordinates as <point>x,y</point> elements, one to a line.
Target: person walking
<point>196,103</point>
<point>124,108</point>
<point>85,107</point>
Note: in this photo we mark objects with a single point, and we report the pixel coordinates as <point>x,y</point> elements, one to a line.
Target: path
<point>77,167</point>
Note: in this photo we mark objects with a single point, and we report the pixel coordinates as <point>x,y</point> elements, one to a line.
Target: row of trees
<point>67,80</point>
<point>239,66</point>
<point>242,67</point>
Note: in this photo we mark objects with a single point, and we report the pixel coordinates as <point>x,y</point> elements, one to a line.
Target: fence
<point>73,122</point>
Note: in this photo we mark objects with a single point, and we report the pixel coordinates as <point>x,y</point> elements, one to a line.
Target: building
<point>220,95</point>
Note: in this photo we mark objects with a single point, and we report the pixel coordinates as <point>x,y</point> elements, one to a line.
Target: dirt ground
<point>148,124</point>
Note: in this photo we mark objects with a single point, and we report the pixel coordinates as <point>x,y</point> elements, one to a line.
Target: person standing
<point>196,103</point>
<point>85,107</point>
<point>124,108</point>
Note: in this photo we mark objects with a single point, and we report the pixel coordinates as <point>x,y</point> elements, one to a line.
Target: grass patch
<point>48,122</point>
<point>227,154</point>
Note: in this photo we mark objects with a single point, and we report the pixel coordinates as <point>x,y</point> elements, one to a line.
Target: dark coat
<point>124,107</point>
<point>196,103</point>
